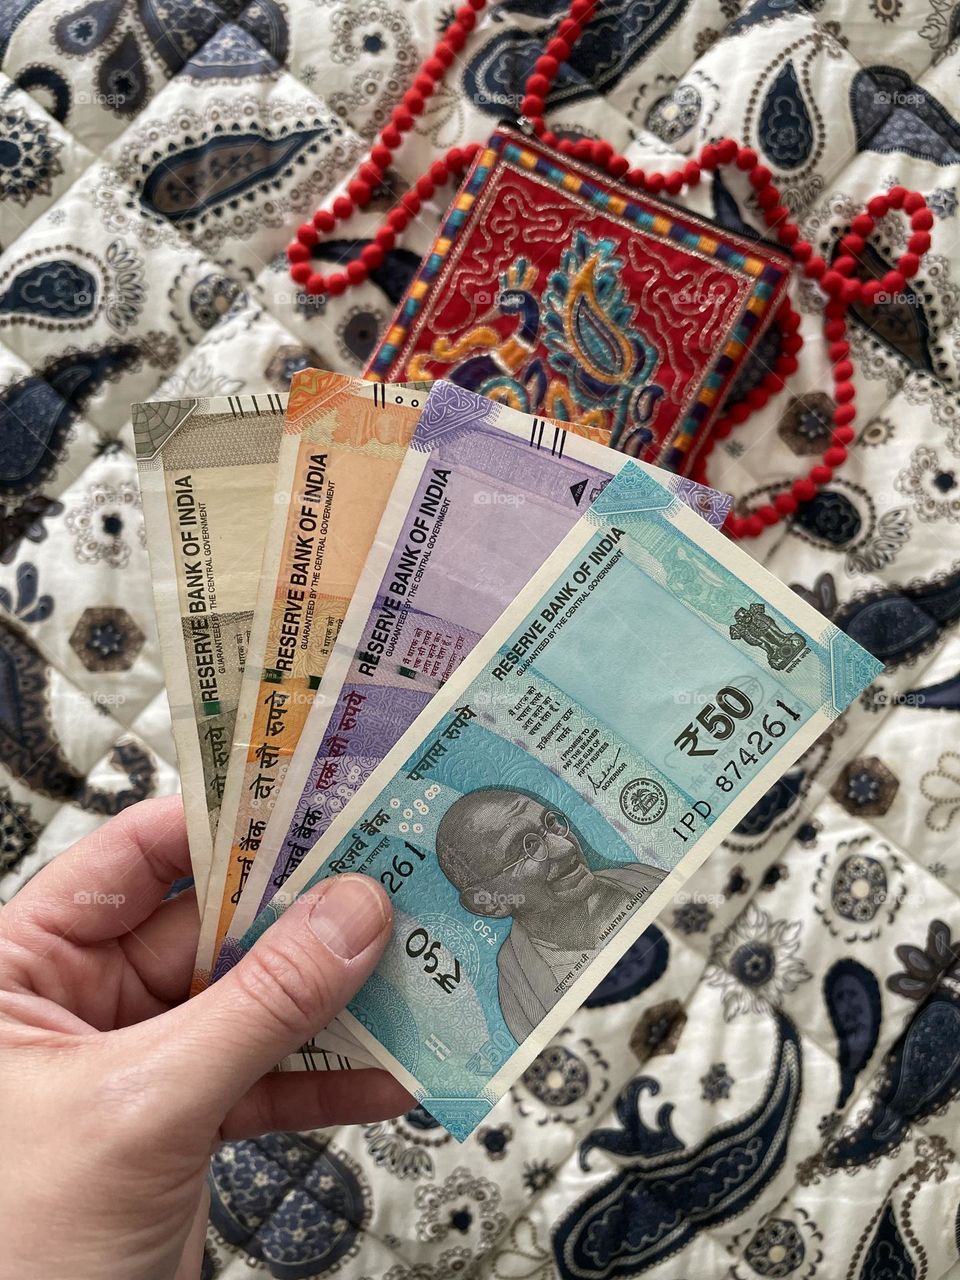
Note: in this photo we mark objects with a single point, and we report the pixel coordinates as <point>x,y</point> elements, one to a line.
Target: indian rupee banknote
<point>646,687</point>
<point>207,471</point>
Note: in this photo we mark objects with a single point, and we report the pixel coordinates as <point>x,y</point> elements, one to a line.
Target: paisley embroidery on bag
<point>597,365</point>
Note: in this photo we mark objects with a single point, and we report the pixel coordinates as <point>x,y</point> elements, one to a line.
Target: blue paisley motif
<point>896,625</point>
<point>266,21</point>
<point>891,112</point>
<point>177,28</point>
<point>31,750</point>
<point>72,292</point>
<point>726,212</point>
<point>184,185</point>
<point>82,30</point>
<point>122,79</point>
<point>12,13</point>
<point>394,274</point>
<point>890,627</point>
<point>943,696</point>
<point>36,412</point>
<point>289,1202</point>
<point>766,11</point>
<point>666,1193</point>
<point>900,323</point>
<point>620,34</point>
<point>57,289</point>
<point>256,44</point>
<point>786,132</point>
<point>644,963</point>
<point>923,1073</point>
<point>887,1258</point>
<point>28,604</point>
<point>34,421</point>
<point>232,54</point>
<point>852,995</point>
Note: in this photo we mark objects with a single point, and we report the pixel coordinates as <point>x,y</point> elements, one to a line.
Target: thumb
<point>297,977</point>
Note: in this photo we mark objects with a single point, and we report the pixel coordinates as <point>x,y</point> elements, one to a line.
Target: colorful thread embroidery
<point>622,313</point>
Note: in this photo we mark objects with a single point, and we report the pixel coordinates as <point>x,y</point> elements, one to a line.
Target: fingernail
<point>349,916</point>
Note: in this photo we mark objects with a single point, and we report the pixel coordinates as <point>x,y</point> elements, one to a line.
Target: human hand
<point>114,1093</point>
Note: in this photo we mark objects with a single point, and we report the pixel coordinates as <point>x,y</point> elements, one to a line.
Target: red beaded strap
<point>843,290</point>
<point>371,172</point>
<point>838,281</point>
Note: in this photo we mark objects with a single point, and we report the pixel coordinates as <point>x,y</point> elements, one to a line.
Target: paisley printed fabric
<point>767,1084</point>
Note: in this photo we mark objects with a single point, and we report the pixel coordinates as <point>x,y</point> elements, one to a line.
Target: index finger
<point>109,882</point>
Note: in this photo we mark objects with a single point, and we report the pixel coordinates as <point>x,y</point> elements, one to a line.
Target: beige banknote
<point>207,471</point>
<point>342,444</point>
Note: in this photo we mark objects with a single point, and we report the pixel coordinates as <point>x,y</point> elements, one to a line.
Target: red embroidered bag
<point>574,297</point>
<point>560,283</point>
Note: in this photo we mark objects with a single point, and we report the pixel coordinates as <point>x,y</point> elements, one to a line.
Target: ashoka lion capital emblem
<point>755,626</point>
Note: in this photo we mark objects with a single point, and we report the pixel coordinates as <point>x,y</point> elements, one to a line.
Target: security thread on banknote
<point>484,494</point>
<point>207,471</point>
<point>342,443</point>
<point>648,685</point>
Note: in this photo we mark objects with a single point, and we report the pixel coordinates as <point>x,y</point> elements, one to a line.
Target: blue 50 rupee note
<point>645,688</point>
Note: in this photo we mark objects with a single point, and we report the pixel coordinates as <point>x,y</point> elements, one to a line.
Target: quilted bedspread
<point>766,1085</point>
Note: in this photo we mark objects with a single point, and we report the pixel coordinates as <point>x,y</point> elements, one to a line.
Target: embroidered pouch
<point>563,292</point>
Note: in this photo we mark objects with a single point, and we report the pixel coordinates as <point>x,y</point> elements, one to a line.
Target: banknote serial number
<point>401,868</point>
<point>418,944</point>
<point>761,741</point>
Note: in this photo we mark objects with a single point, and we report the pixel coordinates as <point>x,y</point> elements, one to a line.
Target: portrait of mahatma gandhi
<point>509,855</point>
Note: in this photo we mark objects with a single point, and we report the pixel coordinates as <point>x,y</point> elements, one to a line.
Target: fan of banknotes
<point>520,679</point>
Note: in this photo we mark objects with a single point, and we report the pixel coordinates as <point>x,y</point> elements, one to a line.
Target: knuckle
<point>286,986</point>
